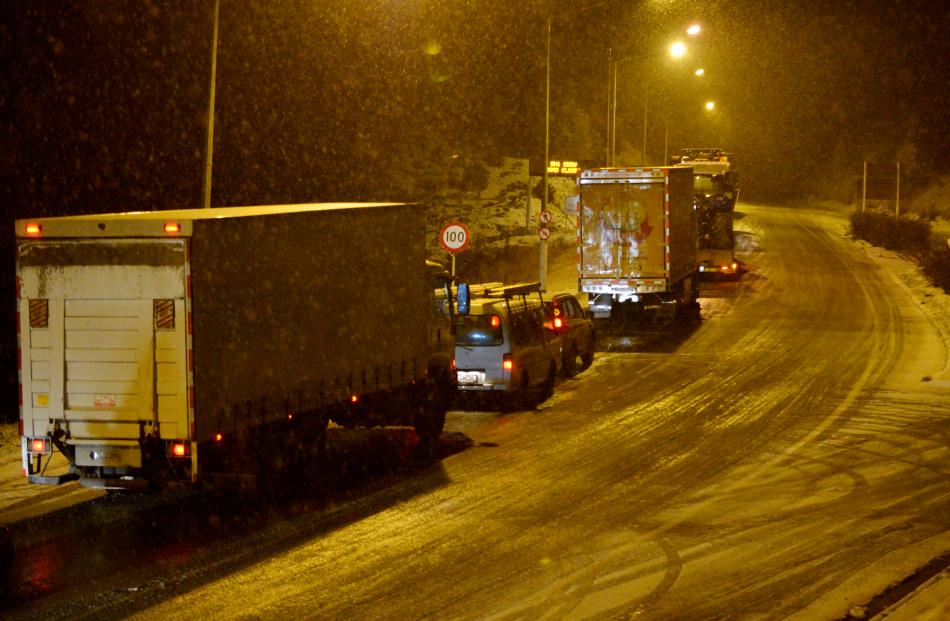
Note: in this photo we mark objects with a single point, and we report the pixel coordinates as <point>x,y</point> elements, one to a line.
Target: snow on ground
<point>496,219</point>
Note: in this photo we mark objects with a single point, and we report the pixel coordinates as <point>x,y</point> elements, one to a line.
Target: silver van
<point>503,349</point>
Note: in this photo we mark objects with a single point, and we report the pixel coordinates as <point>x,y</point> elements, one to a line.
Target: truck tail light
<point>34,229</point>
<point>179,448</point>
<point>39,446</point>
<point>172,228</point>
<point>507,362</point>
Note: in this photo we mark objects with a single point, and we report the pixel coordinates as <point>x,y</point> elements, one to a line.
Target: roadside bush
<point>935,262</point>
<point>908,234</point>
<point>881,228</point>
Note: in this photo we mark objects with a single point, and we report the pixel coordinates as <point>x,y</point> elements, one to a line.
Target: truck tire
<point>429,425</point>
<point>429,419</point>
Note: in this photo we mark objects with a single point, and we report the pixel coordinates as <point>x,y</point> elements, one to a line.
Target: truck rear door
<point>103,342</point>
<point>623,224</point>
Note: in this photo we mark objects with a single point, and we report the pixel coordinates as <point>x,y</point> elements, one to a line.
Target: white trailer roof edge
<point>131,223</point>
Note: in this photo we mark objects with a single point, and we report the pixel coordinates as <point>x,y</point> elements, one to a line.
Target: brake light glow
<point>218,437</point>
<point>354,398</point>
<point>495,321</point>
<point>172,227</point>
<point>558,323</point>
<point>507,362</point>
<point>179,449</point>
<point>34,228</point>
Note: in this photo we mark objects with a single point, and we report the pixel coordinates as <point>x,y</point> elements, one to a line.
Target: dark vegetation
<point>907,234</point>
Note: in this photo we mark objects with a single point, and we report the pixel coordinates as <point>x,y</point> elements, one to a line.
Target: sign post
<point>544,232</point>
<point>454,238</point>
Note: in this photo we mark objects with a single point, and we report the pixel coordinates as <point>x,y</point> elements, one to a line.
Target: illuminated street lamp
<point>700,72</point>
<point>677,49</point>
<point>710,105</point>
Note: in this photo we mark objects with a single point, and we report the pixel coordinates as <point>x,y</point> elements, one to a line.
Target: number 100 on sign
<point>454,237</point>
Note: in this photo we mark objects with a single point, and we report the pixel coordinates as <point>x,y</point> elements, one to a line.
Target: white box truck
<point>636,241</point>
<point>176,345</point>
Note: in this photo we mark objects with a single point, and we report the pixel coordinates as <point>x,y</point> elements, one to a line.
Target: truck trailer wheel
<point>429,419</point>
<point>429,424</point>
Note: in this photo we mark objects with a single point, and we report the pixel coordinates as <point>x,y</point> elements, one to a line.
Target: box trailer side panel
<point>301,310</point>
<point>682,217</point>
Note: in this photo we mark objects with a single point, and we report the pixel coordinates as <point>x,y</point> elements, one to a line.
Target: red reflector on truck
<point>39,313</point>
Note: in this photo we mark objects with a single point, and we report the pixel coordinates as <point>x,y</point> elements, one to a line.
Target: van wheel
<point>570,362</point>
<point>547,388</point>
<point>521,397</point>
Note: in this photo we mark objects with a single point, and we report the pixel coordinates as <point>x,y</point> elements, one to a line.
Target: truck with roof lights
<point>715,193</point>
<point>636,236</point>
<point>188,345</point>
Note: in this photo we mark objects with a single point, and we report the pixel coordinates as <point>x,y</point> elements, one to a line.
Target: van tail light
<point>507,362</point>
<point>495,321</point>
<point>558,323</point>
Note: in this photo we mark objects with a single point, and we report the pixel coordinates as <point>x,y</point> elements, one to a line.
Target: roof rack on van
<point>501,290</point>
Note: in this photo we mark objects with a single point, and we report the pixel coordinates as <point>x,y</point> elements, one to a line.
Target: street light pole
<point>206,198</point>
<point>543,267</point>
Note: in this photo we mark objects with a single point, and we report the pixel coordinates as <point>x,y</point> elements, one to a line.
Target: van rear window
<point>476,330</point>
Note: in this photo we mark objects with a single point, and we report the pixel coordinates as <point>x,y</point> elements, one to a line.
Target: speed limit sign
<point>454,237</point>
